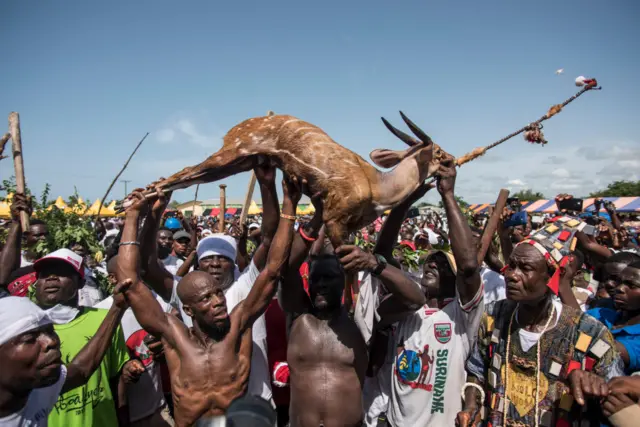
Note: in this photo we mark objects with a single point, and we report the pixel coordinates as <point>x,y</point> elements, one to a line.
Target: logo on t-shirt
<point>138,347</point>
<point>442,331</point>
<point>414,368</point>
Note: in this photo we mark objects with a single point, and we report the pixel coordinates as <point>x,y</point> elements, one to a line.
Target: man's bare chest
<point>319,341</point>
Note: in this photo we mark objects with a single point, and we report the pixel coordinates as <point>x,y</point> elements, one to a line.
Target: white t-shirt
<point>146,396</point>
<point>495,288</point>
<point>259,378</point>
<point>429,351</point>
<point>172,264</point>
<point>40,402</point>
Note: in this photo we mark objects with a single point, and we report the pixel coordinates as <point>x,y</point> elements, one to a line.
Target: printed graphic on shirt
<point>522,388</point>
<point>442,362</point>
<point>76,400</point>
<point>138,347</point>
<point>442,332</point>
<point>416,369</point>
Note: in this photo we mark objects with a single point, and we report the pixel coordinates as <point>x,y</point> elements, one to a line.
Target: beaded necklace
<point>506,376</point>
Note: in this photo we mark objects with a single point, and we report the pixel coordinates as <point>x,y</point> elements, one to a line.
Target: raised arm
<point>88,359</point>
<point>266,176</point>
<point>464,251</point>
<point>389,233</point>
<point>306,236</point>
<point>144,305</point>
<point>266,284</point>
<point>154,273</point>
<point>10,255</point>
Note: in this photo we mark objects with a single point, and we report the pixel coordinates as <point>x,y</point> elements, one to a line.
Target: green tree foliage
<point>619,189</point>
<point>528,195</point>
<point>65,226</point>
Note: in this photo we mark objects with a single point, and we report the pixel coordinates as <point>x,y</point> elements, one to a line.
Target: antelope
<point>354,193</point>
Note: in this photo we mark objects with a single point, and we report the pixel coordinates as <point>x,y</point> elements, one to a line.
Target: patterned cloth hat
<point>555,242</point>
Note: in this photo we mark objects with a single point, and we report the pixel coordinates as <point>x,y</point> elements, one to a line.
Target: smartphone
<point>570,205</point>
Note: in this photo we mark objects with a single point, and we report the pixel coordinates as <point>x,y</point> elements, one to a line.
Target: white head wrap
<point>217,244</point>
<point>19,315</point>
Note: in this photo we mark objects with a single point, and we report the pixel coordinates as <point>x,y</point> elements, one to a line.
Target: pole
<point>223,207</point>
<point>125,181</point>
<point>492,225</point>
<point>195,199</point>
<point>247,198</point>
<point>16,138</point>
<point>118,175</point>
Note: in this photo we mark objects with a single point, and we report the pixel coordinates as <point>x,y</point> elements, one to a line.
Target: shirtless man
<point>209,363</point>
<point>327,352</point>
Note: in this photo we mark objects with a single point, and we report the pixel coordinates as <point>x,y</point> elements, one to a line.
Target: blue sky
<point>90,78</point>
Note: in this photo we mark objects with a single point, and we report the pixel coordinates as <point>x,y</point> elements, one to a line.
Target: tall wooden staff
<point>195,199</point>
<point>247,198</point>
<point>14,130</point>
<point>118,175</point>
<point>492,225</point>
<point>223,207</point>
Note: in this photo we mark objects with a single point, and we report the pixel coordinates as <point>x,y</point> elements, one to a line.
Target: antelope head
<point>426,153</point>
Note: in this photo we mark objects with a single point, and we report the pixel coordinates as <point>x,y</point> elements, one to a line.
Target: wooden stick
<point>223,207</point>
<point>195,199</point>
<point>247,198</point>
<point>480,151</point>
<point>492,225</point>
<point>119,173</point>
<point>3,141</point>
<point>14,130</point>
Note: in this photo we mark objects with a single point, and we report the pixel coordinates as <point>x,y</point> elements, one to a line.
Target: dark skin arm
<point>389,232</point>
<point>586,244</point>
<point>88,359</point>
<point>266,285</point>
<point>470,414</point>
<point>155,275</point>
<point>266,176</point>
<point>300,247</point>
<point>355,259</point>
<point>566,294</point>
<point>464,252</point>
<point>239,232</point>
<point>144,305</point>
<point>10,255</point>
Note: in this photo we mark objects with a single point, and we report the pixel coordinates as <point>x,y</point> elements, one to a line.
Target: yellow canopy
<point>59,203</point>
<point>110,210</point>
<point>93,210</point>
<point>253,209</point>
<point>4,210</point>
<point>308,210</point>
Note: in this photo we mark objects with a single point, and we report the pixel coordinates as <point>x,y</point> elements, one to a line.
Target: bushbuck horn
<point>416,130</point>
<point>409,140</point>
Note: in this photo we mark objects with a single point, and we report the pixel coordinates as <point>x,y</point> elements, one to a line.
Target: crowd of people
<point>266,323</point>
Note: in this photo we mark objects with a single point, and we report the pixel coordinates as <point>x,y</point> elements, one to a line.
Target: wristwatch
<point>382,264</point>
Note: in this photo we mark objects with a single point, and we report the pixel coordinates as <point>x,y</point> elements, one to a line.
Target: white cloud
<point>561,173</point>
<point>185,130</point>
<point>579,170</point>
<point>165,135</point>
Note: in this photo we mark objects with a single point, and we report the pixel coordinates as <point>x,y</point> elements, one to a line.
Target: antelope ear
<point>387,158</point>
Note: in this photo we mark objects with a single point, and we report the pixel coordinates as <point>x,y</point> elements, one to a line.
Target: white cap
<point>19,315</point>
<point>217,244</point>
<point>65,255</point>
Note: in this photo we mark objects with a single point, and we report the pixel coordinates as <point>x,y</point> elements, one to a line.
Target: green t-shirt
<point>91,405</point>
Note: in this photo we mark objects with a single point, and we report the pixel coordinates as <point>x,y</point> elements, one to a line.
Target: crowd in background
<point>544,331</point>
